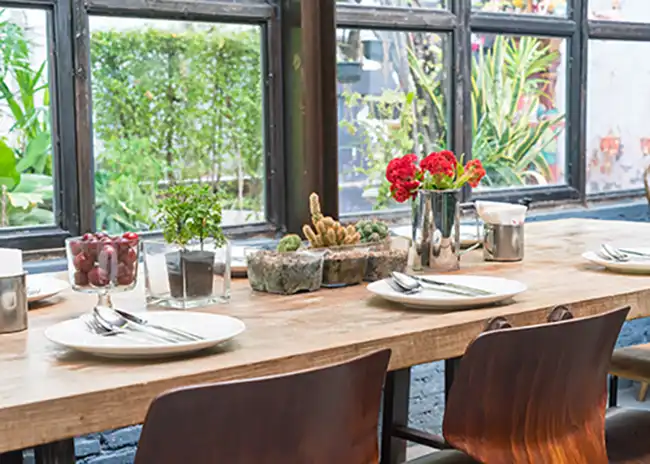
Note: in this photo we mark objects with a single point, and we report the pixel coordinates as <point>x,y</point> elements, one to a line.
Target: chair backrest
<point>535,394</point>
<point>322,416</point>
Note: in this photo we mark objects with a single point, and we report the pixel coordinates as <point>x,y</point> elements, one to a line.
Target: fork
<point>96,328</point>
<point>610,252</point>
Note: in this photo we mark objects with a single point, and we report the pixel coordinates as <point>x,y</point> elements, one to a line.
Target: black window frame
<point>299,79</point>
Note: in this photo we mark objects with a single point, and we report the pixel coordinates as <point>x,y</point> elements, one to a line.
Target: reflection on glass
<point>175,102</point>
<point>618,136</point>
<point>399,3</point>
<point>392,100</point>
<point>518,110</point>
<point>617,10</point>
<point>536,7</point>
<point>26,184</point>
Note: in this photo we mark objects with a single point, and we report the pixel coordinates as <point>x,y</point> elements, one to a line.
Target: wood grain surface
<point>48,393</point>
<point>543,393</point>
<point>321,416</point>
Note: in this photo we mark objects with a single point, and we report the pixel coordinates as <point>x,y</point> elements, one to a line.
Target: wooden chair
<point>538,394</point>
<point>632,362</point>
<point>322,416</point>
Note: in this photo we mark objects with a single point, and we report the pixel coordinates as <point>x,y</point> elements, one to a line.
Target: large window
<point>106,103</point>
<point>392,99</point>
<point>618,136</point>
<point>175,102</point>
<point>26,161</point>
<point>518,110</point>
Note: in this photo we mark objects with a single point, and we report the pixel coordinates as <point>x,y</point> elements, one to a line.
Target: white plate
<point>431,299</point>
<point>634,266</point>
<point>468,234</point>
<point>214,328</point>
<point>42,287</point>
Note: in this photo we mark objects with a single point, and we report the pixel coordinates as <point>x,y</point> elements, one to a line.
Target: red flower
<point>440,164</point>
<point>403,175</point>
<point>476,172</point>
<point>401,169</point>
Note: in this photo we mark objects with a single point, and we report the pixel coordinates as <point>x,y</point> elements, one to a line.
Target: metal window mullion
<point>576,89</point>
<point>27,3</point>
<point>85,161</point>
<point>518,24</point>
<point>183,9</point>
<point>461,85</point>
<point>610,30</point>
<point>66,180</point>
<point>274,189</point>
<point>393,18</point>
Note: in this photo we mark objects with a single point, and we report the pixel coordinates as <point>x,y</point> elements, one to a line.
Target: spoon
<point>177,332</point>
<point>112,321</point>
<point>410,284</point>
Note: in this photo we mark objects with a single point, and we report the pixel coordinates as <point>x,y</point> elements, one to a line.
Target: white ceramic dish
<point>215,328</point>
<point>503,289</point>
<point>633,266</point>
<point>42,287</point>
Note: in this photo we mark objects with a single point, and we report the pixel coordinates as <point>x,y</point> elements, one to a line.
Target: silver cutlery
<point>111,320</point>
<point>189,336</point>
<point>392,284</point>
<point>97,328</point>
<point>408,283</point>
<point>458,287</point>
<point>613,253</point>
<point>634,253</point>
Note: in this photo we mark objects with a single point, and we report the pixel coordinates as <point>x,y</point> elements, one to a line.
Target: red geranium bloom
<point>403,175</point>
<point>476,172</point>
<point>440,163</point>
<point>401,169</point>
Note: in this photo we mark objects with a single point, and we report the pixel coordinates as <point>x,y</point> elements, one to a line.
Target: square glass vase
<point>186,277</point>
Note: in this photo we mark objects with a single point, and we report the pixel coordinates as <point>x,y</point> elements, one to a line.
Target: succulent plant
<point>327,232</point>
<point>288,243</point>
<point>372,231</point>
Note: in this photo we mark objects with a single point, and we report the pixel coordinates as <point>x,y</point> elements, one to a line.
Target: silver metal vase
<point>436,231</point>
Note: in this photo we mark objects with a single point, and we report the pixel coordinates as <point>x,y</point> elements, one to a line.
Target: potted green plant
<point>383,257</point>
<point>287,270</point>
<point>195,250</point>
<point>345,259</point>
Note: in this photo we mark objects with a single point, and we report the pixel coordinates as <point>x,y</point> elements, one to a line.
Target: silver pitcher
<point>13,303</point>
<point>436,231</point>
<point>503,242</point>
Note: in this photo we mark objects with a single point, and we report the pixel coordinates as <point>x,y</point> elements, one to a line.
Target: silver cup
<point>13,303</point>
<point>503,242</point>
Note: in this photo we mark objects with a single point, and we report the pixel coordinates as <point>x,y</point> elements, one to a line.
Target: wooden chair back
<point>535,394</point>
<point>322,416</point>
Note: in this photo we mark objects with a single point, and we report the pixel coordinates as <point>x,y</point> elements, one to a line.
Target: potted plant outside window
<point>195,252</point>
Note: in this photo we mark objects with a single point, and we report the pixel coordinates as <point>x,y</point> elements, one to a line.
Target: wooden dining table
<point>49,394</point>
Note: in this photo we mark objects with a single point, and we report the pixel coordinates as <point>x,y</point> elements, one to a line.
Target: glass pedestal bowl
<point>101,264</point>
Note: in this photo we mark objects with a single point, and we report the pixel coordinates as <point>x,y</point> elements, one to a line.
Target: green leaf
<point>9,176</point>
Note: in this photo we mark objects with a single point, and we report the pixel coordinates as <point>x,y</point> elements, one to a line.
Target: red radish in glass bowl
<point>101,264</point>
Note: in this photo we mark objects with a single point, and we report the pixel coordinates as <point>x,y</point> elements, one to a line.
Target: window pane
<point>400,3</point>
<point>26,182</point>
<point>618,136</point>
<point>392,97</point>
<point>518,104</point>
<point>175,102</point>
<point>619,10</point>
<point>537,7</point>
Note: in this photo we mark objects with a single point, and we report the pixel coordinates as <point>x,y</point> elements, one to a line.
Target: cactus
<point>289,243</point>
<point>372,231</point>
<point>326,231</point>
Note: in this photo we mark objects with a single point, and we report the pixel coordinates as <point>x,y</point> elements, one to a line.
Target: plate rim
<point>116,351</point>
